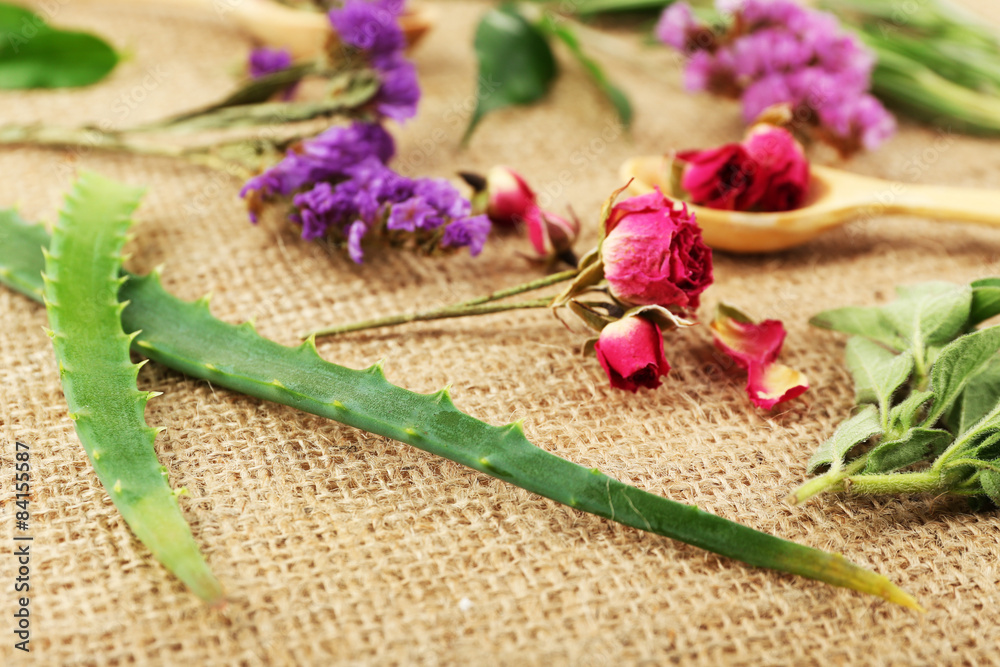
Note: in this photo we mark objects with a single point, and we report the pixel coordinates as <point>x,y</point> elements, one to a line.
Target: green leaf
<point>990,480</point>
<point>614,94</point>
<point>901,416</point>
<point>929,314</point>
<point>848,435</point>
<point>19,22</point>
<point>868,322</point>
<point>985,300</point>
<point>981,396</point>
<point>957,364</point>
<point>587,7</point>
<point>516,65</point>
<point>916,445</point>
<point>54,59</point>
<point>877,372</point>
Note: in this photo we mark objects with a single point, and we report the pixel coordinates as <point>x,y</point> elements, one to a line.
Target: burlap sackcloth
<point>336,546</point>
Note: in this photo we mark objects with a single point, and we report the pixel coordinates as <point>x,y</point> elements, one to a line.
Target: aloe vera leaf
<point>81,285</point>
<point>185,337</point>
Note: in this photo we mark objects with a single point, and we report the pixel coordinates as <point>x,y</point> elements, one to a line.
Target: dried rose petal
<point>774,383</point>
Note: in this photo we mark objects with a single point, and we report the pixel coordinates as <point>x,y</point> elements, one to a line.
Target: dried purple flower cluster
<point>372,30</point>
<point>265,60</point>
<point>342,187</point>
<point>778,52</point>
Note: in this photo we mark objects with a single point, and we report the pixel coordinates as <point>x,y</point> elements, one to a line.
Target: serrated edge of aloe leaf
<point>186,337</point>
<point>81,285</point>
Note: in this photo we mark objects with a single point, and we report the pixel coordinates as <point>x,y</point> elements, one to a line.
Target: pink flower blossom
<point>549,233</point>
<point>510,199</point>
<point>754,346</point>
<point>767,172</point>
<point>630,351</point>
<point>653,254</point>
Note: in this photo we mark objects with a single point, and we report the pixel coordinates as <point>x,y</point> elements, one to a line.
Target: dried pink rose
<point>782,168</point>
<point>509,198</point>
<point>630,351</point>
<point>654,255</point>
<point>755,346</point>
<point>767,172</point>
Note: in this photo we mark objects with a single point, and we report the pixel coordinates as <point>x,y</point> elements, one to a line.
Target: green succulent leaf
<point>34,55</point>
<point>516,64</point>
<point>851,433</point>
<point>99,380</point>
<point>614,94</point>
<point>957,365</point>
<point>916,445</point>
<point>187,338</point>
<point>878,373</point>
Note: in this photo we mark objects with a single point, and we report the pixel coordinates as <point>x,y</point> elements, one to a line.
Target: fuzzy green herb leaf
<point>516,65</point>
<point>957,365</point>
<point>851,433</point>
<point>903,415</point>
<point>915,446</point>
<point>990,479</point>
<point>985,300</point>
<point>877,373</point>
<point>81,285</point>
<point>34,55</point>
<point>929,314</point>
<point>868,322</point>
<point>980,396</point>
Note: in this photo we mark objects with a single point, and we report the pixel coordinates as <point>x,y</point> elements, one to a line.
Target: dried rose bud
<point>550,234</point>
<point>509,198</point>
<point>767,172</point>
<point>653,254</point>
<point>755,346</point>
<point>630,351</point>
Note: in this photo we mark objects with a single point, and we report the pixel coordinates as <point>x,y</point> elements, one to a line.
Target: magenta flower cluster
<point>342,187</point>
<point>372,30</point>
<point>778,52</point>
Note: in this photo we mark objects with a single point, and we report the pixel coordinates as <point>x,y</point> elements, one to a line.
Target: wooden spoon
<point>303,33</point>
<point>835,198</point>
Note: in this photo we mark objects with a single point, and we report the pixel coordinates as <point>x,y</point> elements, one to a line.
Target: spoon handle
<point>976,205</point>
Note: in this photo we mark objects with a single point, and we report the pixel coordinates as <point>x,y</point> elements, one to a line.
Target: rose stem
<point>439,314</point>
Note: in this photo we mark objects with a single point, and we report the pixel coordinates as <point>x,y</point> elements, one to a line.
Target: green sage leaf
<point>34,55</point>
<point>614,94</point>
<point>985,300</point>
<point>990,481</point>
<point>929,314</point>
<point>589,7</point>
<point>981,396</point>
<point>852,432</point>
<point>516,65</point>
<point>868,322</point>
<point>957,364</point>
<point>915,446</point>
<point>877,372</point>
<point>902,416</point>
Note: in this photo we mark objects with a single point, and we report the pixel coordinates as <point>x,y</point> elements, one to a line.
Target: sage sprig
<point>927,388</point>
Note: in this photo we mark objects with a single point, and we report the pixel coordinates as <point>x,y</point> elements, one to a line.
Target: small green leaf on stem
<point>957,364</point>
<point>614,94</point>
<point>877,373</point>
<point>985,300</point>
<point>916,445</point>
<point>851,433</point>
<point>868,322</point>
<point>516,65</point>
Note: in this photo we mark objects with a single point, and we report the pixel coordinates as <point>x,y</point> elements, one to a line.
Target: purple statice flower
<point>264,61</point>
<point>467,232</point>
<point>410,215</point>
<point>373,29</point>
<point>327,156</point>
<point>779,52</point>
<point>355,233</point>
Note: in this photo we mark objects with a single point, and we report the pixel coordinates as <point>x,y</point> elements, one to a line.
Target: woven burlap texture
<point>336,546</point>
